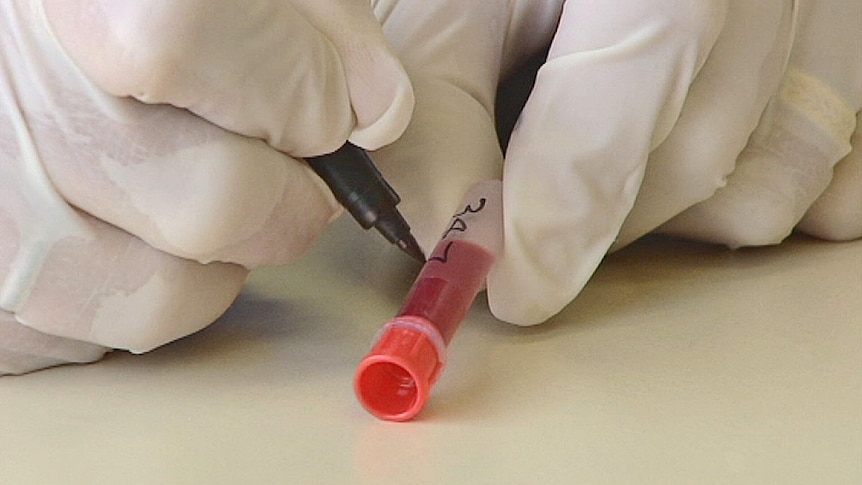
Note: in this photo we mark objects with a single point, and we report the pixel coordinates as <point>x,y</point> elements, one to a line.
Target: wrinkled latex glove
<point>716,120</point>
<point>145,158</point>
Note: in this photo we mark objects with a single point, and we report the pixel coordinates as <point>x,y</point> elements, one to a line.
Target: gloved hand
<point>716,120</point>
<point>145,158</point>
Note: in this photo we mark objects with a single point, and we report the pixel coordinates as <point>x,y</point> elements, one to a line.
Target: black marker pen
<point>362,190</point>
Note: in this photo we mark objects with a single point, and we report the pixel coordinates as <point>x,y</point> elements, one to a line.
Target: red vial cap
<point>394,380</point>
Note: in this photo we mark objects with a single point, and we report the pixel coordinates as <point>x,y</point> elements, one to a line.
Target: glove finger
<point>223,198</point>
<point>67,274</point>
<point>177,181</point>
<point>787,164</point>
<point>828,52</point>
<point>23,349</point>
<point>804,132</point>
<point>449,145</point>
<point>837,214</point>
<point>264,69</point>
<point>100,284</point>
<point>450,142</point>
<point>64,273</point>
<point>613,86</point>
<point>828,48</point>
<point>721,110</point>
<point>378,86</point>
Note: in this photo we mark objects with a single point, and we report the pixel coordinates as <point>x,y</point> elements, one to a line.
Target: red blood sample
<point>394,380</point>
<point>448,284</point>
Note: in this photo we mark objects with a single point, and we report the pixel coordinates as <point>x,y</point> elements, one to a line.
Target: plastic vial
<point>394,380</point>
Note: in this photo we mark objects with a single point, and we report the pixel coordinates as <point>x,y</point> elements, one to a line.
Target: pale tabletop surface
<point>680,363</point>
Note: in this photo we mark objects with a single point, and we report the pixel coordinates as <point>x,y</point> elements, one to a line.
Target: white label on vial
<point>480,217</point>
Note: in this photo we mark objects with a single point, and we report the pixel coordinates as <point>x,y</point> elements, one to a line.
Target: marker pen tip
<point>394,228</point>
<point>411,247</point>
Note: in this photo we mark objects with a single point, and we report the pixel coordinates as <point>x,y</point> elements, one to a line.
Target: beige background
<point>680,363</point>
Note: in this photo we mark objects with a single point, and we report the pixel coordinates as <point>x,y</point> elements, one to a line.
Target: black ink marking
<point>445,258</point>
<point>471,210</point>
<point>458,225</point>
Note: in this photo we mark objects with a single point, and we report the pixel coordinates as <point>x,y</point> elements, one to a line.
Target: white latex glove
<point>728,114</point>
<point>145,158</point>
